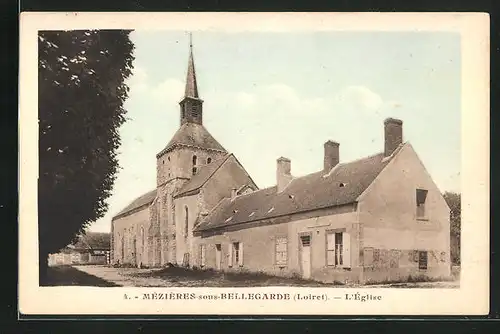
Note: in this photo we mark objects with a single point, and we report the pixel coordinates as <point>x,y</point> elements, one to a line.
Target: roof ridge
<point>255,191</point>
<point>125,210</point>
<point>211,211</point>
<point>220,161</point>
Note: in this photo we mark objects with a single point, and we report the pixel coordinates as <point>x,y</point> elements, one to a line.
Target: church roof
<point>342,185</point>
<point>193,135</point>
<point>137,203</point>
<point>204,174</point>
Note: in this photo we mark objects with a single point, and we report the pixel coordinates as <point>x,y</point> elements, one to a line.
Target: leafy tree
<point>454,202</point>
<point>81,91</point>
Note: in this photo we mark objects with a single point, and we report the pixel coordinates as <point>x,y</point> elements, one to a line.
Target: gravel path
<point>146,278</point>
<point>123,276</point>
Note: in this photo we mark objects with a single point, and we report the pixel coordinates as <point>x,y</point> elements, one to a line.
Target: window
<point>194,111</point>
<point>122,244</point>
<point>195,160</point>
<point>143,240</point>
<point>237,254</point>
<point>281,251</point>
<point>422,260</point>
<point>236,250</point>
<point>209,160</point>
<point>202,255</point>
<point>186,221</point>
<point>334,249</point>
<point>338,249</point>
<point>421,197</point>
<point>183,113</point>
<point>174,254</point>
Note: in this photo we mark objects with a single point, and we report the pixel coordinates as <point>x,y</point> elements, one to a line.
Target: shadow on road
<point>67,275</point>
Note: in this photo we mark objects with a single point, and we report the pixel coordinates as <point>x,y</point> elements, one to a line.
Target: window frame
<point>236,252</point>
<point>335,232</point>
<point>420,252</point>
<point>420,207</point>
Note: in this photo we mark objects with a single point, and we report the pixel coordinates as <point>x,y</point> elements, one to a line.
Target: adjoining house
<point>377,218</point>
<point>90,248</point>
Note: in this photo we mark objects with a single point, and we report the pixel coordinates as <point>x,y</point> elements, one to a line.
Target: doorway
<point>305,256</point>
<point>218,257</point>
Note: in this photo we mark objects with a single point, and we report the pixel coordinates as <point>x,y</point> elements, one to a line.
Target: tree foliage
<point>81,92</point>
<point>454,202</point>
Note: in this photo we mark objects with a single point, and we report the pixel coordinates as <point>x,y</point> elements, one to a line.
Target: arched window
<point>209,160</point>
<point>123,247</point>
<point>186,221</point>
<point>143,240</point>
<point>195,161</point>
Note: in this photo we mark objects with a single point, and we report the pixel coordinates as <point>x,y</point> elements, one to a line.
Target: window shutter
<point>230,255</point>
<point>241,255</point>
<point>346,252</point>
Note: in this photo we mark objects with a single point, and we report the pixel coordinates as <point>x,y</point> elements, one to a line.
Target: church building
<point>378,218</point>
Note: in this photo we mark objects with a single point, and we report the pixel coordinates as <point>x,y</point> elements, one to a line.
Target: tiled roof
<point>140,201</point>
<point>204,173</point>
<point>342,185</point>
<point>193,134</point>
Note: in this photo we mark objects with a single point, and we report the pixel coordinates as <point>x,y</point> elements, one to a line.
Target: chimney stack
<point>283,173</point>
<point>233,193</point>
<point>393,132</point>
<point>332,157</point>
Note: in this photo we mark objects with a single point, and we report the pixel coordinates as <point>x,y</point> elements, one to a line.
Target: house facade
<point>90,248</point>
<point>378,218</point>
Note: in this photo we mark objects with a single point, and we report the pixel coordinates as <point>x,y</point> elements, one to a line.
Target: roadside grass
<point>66,275</point>
<point>196,277</point>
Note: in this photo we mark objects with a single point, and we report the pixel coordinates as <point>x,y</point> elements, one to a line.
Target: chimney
<point>283,173</point>
<point>331,155</point>
<point>393,131</point>
<point>233,193</point>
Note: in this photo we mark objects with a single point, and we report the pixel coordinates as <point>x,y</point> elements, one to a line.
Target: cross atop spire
<point>191,85</point>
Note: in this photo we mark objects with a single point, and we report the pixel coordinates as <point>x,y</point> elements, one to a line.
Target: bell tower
<point>191,104</point>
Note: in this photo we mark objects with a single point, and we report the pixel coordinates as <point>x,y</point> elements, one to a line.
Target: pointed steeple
<point>191,104</point>
<point>191,85</point>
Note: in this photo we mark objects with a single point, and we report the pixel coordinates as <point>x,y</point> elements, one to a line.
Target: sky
<point>284,94</point>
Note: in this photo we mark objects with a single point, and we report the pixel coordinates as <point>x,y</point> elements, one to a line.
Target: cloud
<point>168,91</point>
<point>359,97</point>
<point>137,82</point>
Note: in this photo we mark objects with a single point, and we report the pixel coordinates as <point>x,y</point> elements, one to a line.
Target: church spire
<point>191,85</point>
<point>191,104</point>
